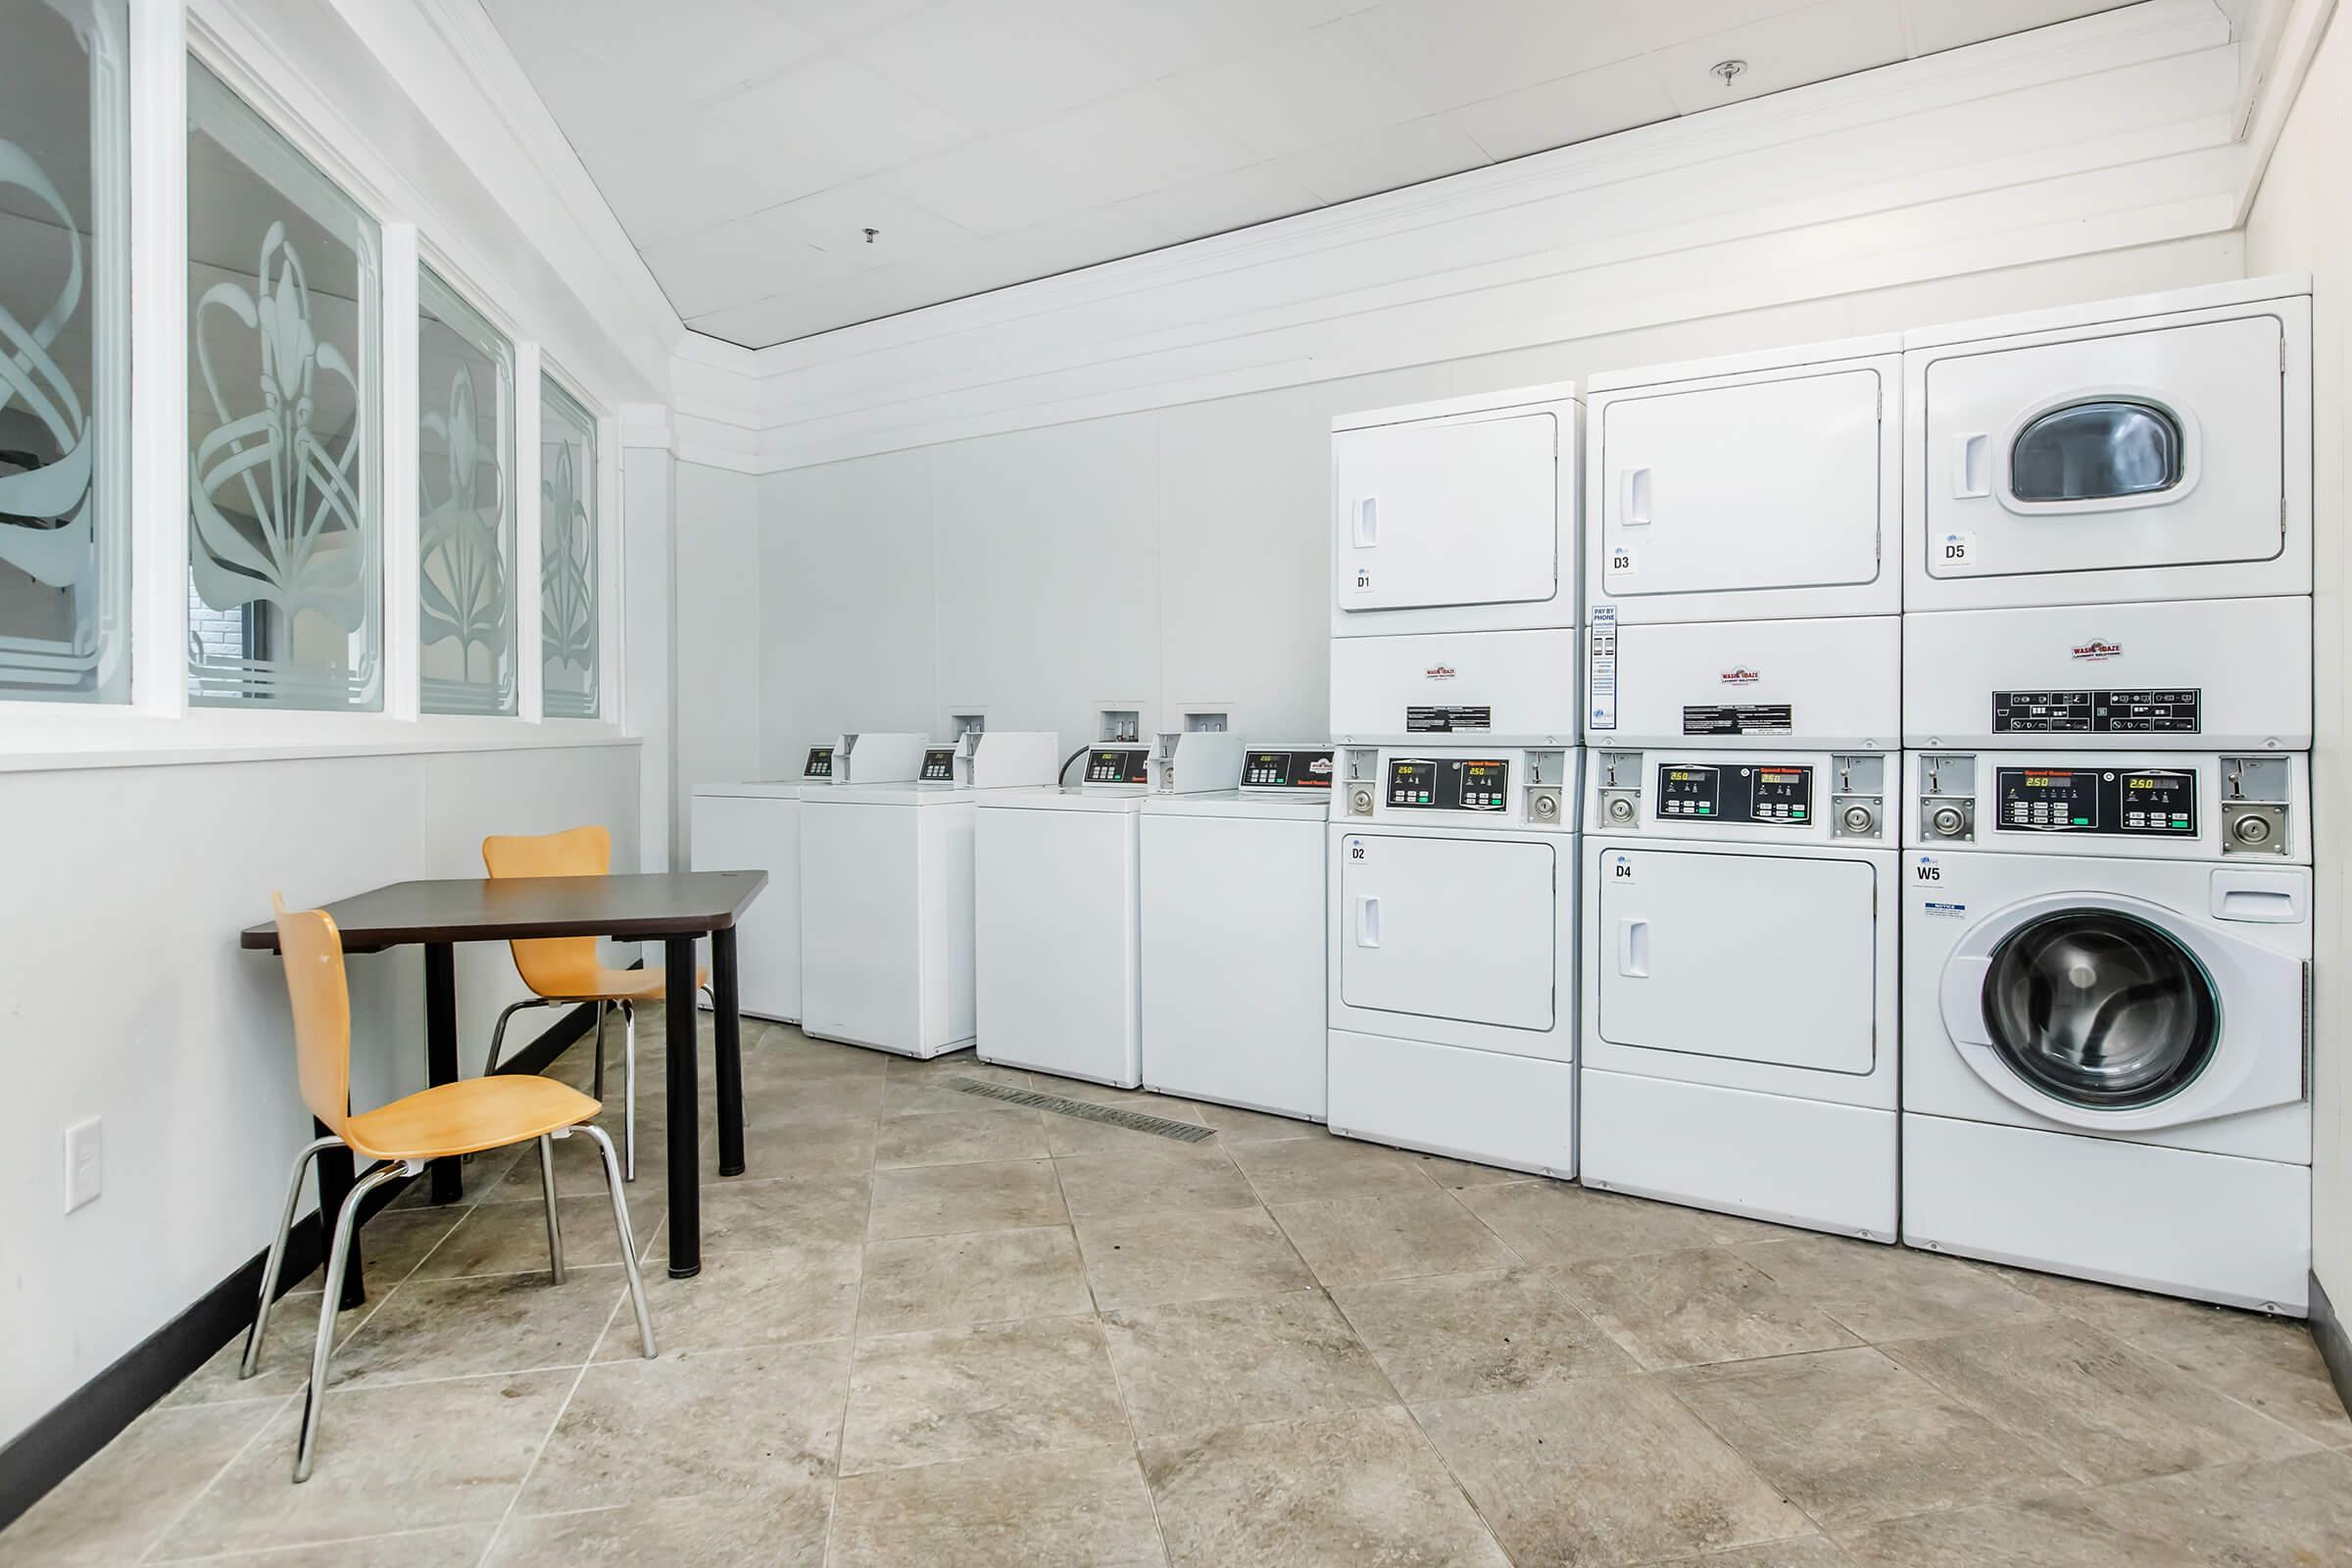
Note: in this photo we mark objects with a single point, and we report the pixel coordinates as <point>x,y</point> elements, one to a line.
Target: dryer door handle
<point>1634,512</point>
<point>1969,477</point>
<point>1367,522</point>
<point>1632,949</point>
<point>1367,920</point>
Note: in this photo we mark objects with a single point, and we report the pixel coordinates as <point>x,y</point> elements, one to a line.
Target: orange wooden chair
<point>565,971</point>
<point>460,1118</point>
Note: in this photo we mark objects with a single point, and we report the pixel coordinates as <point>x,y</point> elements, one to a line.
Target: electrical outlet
<point>85,1163</point>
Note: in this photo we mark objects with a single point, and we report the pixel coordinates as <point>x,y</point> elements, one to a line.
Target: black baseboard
<point>2335,1345</point>
<point>53,1446</point>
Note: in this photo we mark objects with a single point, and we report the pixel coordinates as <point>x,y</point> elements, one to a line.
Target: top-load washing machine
<point>1454,598</point>
<point>2107,525</point>
<point>1233,928</point>
<point>2107,1017</point>
<point>757,826</point>
<point>1452,959</point>
<point>1743,524</point>
<point>886,903</point>
<point>1057,874</point>
<point>1739,983</point>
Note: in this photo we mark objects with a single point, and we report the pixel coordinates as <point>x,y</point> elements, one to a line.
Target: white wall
<point>717,703</point>
<point>127,998</point>
<point>1177,556</point>
<point>2301,222</point>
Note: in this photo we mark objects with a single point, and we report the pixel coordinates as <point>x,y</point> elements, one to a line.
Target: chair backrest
<point>313,950</point>
<point>553,966</point>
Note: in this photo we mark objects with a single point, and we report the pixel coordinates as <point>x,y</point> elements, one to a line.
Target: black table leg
<point>685,1113</point>
<point>727,1067</point>
<point>441,1050</point>
<point>334,1185</point>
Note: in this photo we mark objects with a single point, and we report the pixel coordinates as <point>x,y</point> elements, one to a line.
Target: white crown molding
<point>644,424</point>
<point>2281,37</point>
<point>2116,130</point>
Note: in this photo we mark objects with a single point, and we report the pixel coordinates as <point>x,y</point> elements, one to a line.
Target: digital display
<point>1454,784</point>
<point>821,762</point>
<point>1689,792</point>
<point>2084,800</point>
<point>939,765</point>
<point>1118,764</point>
<point>1781,794</point>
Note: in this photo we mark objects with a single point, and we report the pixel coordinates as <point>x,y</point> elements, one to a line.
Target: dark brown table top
<point>628,909</point>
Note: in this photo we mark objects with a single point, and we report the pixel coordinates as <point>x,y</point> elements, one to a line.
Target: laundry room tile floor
<point>935,1328</point>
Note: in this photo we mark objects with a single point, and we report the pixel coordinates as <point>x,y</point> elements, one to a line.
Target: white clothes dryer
<point>2106,970</point>
<point>1739,983</point>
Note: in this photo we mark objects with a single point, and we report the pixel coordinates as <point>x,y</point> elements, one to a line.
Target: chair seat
<point>467,1116</point>
<point>600,984</point>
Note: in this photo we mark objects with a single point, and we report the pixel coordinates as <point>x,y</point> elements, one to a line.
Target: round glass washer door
<point>2100,1008</point>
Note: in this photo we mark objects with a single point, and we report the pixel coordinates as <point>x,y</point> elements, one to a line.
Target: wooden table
<point>673,909</point>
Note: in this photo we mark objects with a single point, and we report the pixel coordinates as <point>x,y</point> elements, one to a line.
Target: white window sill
<point>52,739</point>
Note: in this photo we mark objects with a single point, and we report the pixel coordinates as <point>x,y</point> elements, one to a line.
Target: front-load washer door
<point>2155,448</point>
<point>1743,956</point>
<point>1773,484</point>
<point>1439,513</point>
<point>1451,928</point>
<point>2100,1010</point>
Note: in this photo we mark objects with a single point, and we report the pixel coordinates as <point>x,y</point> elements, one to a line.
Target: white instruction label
<point>1601,676</point>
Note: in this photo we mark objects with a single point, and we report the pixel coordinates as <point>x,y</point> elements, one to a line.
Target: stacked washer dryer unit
<point>1454,709</point>
<point>1741,725</point>
<point>2107,683</point>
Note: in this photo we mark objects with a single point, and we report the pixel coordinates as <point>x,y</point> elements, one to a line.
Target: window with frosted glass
<point>285,495</point>
<point>466,506</point>
<point>568,523</point>
<point>64,549</point>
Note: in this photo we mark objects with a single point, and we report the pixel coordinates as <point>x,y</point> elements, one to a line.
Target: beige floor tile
<point>923,1088</point>
<point>469,1327</point>
<point>1603,1470</point>
<point>405,1456</point>
<point>2108,1412</point>
<point>790,1295</point>
<point>1549,1222</point>
<point>950,1200</point>
<point>1303,1170</point>
<point>122,1499</point>
<point>1235,1125</point>
<point>722,1421</point>
<point>1076,1135</point>
<point>748,1215</point>
<point>498,1238</point>
<point>1684,1309</point>
<point>1886,1292</point>
<point>1364,1486</point>
<point>949,1282</point>
<point>1031,1387</point>
<point>1152,1174</point>
<point>393,1243</point>
<point>1456,1174</point>
<point>780,1525</point>
<point>1193,1366</point>
<point>1452,1335</point>
<point>1382,1236</point>
<point>955,1138</point>
<point>1798,1552</point>
<point>1187,1255</point>
<point>840,1147</point>
<point>781,1106</point>
<point>1081,1508</point>
<point>285,1366</point>
<point>1851,1437</point>
<point>455,1547</point>
<point>579,1169</point>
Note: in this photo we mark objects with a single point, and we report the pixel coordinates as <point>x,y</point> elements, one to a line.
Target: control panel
<point>1812,797</point>
<point>820,765</point>
<point>1764,793</point>
<point>2139,800</point>
<point>1118,766</point>
<point>1501,788</point>
<point>939,765</point>
<point>1450,784</point>
<point>1287,769</point>
<point>2165,712</point>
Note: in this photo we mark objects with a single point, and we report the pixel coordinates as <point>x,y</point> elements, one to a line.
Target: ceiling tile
<point>736,263</point>
<point>1234,199</point>
<point>844,113</point>
<point>1821,41</point>
<point>1571,110</point>
<point>774,320</point>
<point>986,186</point>
<point>1123,146</point>
<point>1460,51</point>
<point>698,170</point>
<point>1320,86</point>
<point>1663,26</point>
<point>994,64</point>
<point>835,221</point>
<point>592,102</point>
<point>840,21</point>
<point>1156,38</point>
<point>1385,159</point>
<point>695,49</point>
<point>1937,25</point>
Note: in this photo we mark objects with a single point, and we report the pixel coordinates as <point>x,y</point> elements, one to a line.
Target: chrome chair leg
<point>337,1256</point>
<point>628,1242</point>
<point>628,1091</point>
<point>497,1034</point>
<point>278,1253</point>
<point>555,1227</point>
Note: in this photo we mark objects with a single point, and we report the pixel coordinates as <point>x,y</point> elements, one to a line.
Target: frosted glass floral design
<point>567,553</point>
<point>466,525</point>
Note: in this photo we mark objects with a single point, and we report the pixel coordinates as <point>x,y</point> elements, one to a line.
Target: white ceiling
<point>745,145</point>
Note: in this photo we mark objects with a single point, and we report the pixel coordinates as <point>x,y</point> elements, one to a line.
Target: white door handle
<point>1633,510</point>
<point>1967,466</point>
<point>1367,921</point>
<point>1367,522</point>
<point>1632,949</point>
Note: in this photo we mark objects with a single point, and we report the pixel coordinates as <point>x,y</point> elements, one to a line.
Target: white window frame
<point>159,725</point>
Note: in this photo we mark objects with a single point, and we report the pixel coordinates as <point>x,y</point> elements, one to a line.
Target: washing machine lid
<point>2102,1010</point>
<point>1240,803</point>
<point>1059,800</point>
<point>753,790</point>
<point>901,794</point>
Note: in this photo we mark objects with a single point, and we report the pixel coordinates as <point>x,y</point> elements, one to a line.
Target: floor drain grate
<point>1184,1132</point>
